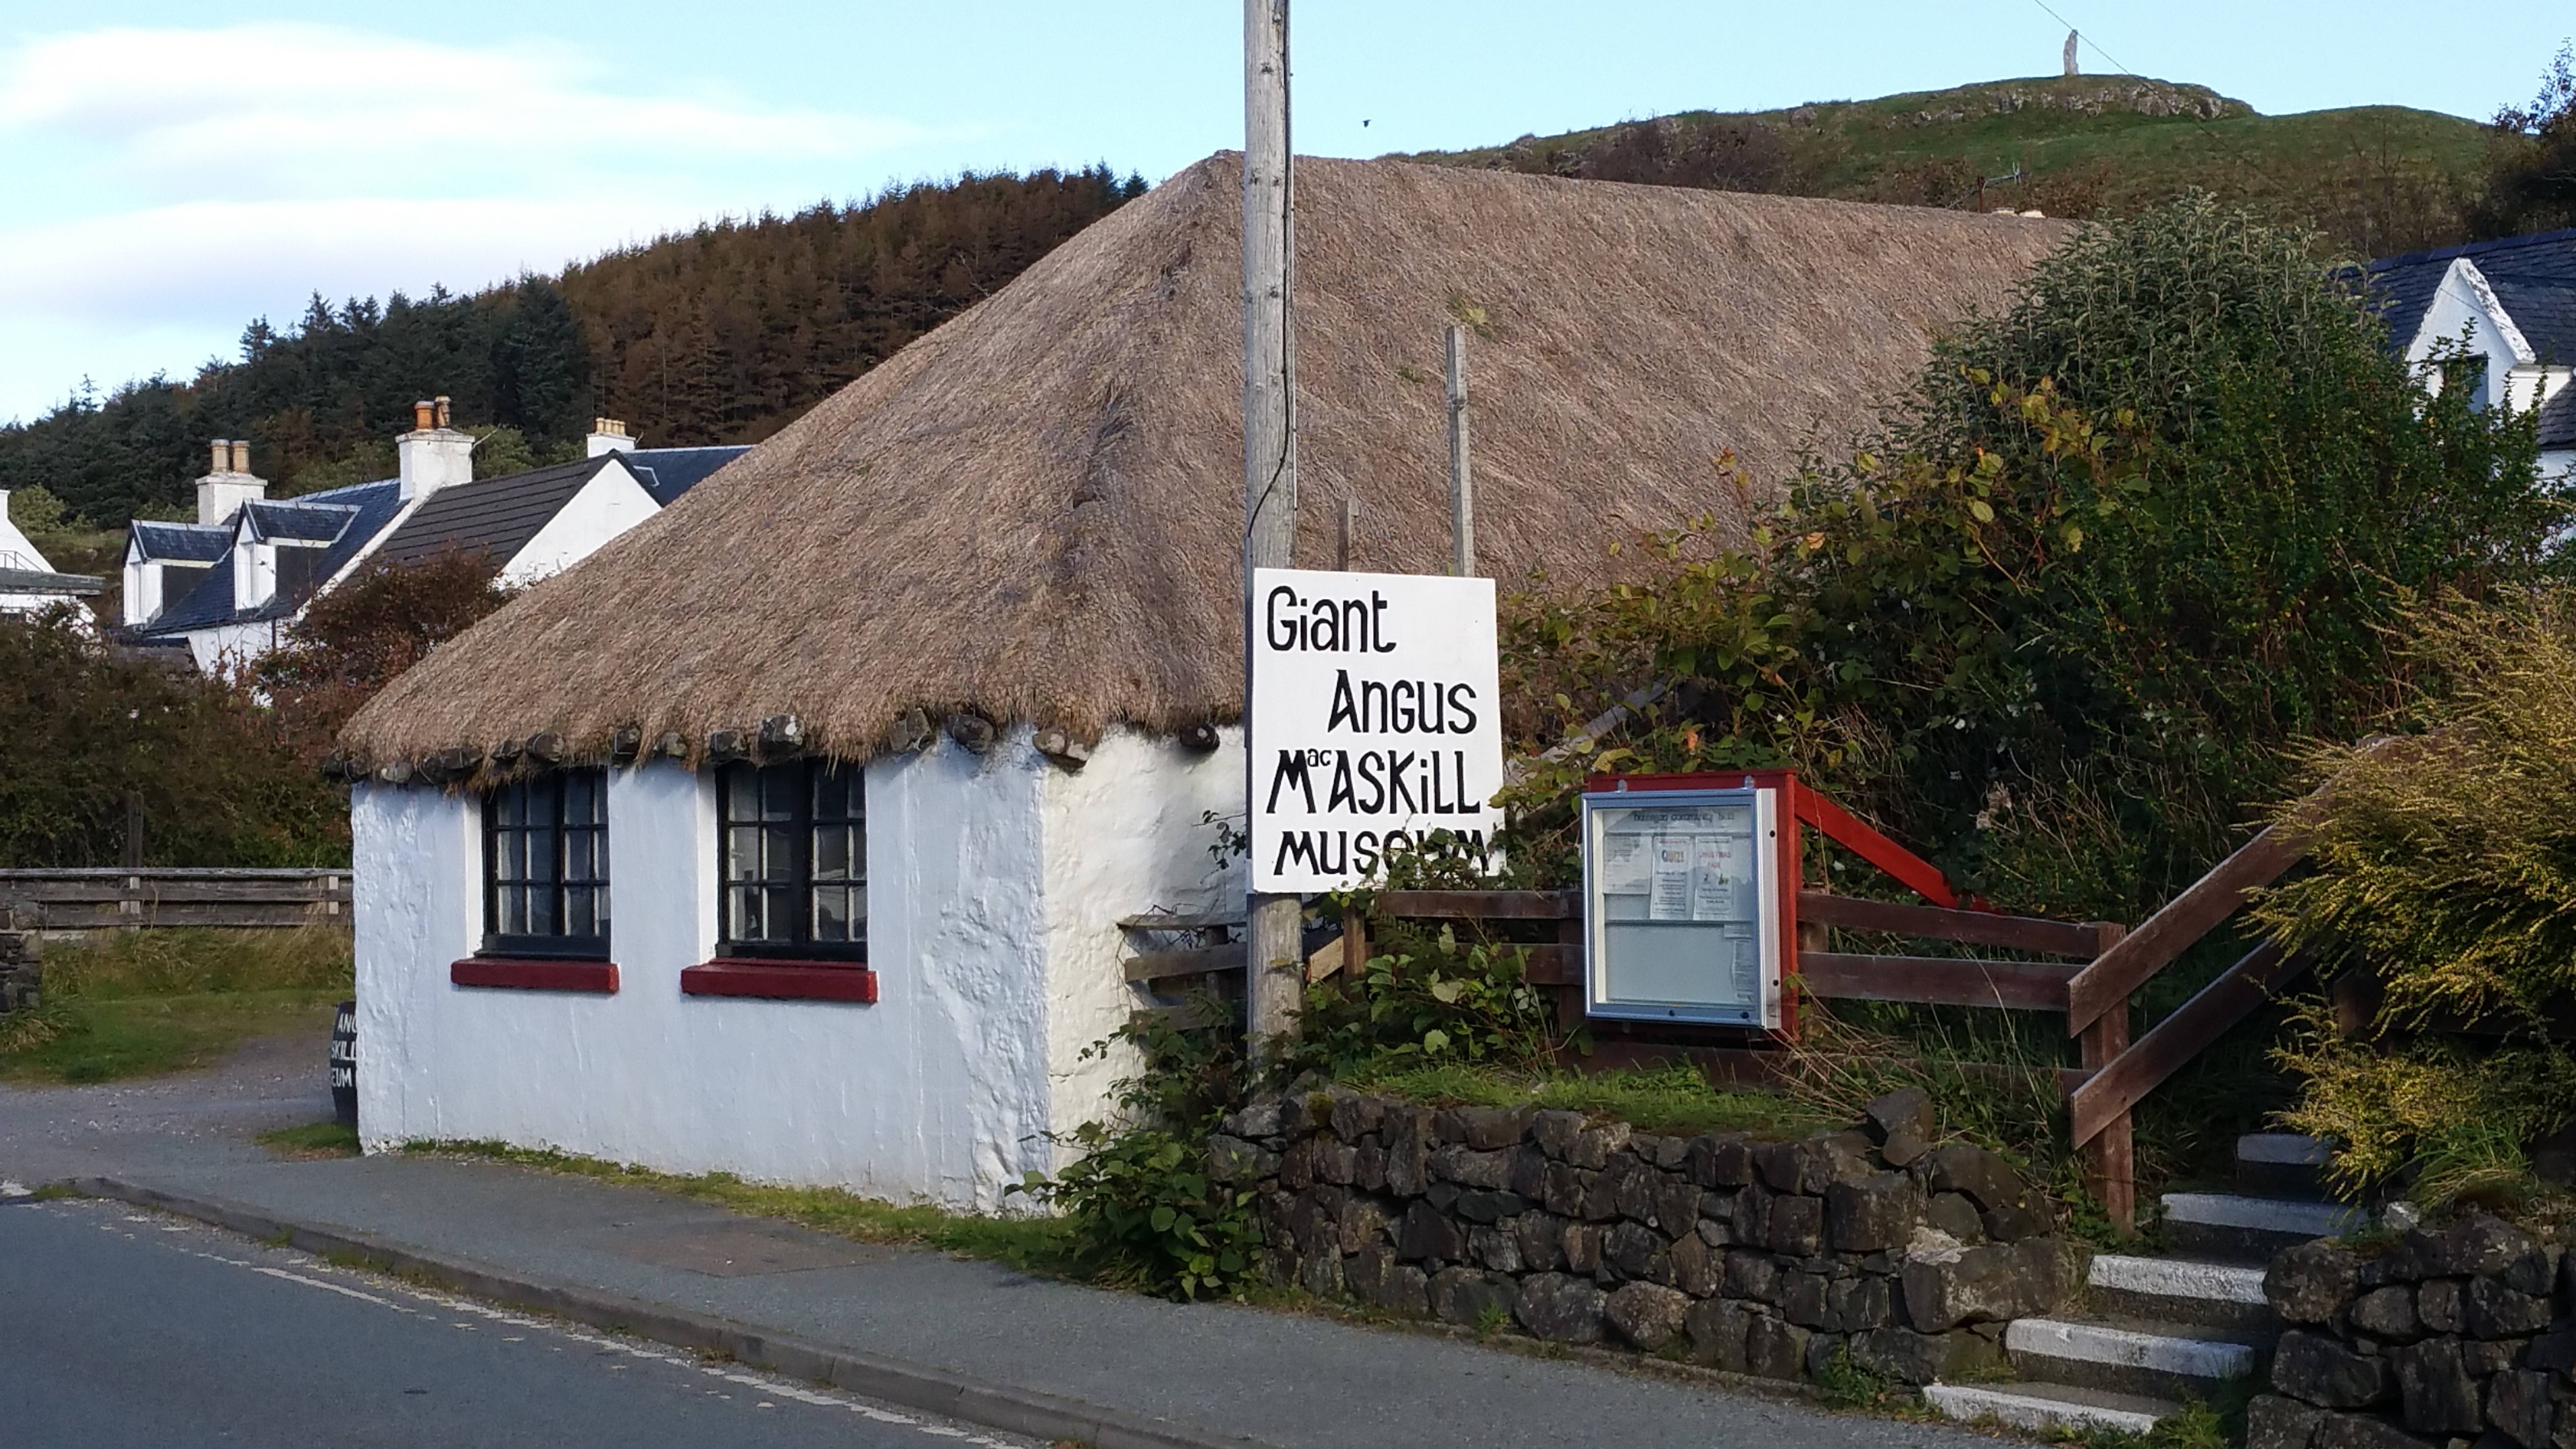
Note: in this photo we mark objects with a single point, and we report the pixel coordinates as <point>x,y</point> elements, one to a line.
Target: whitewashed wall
<point>608,505</point>
<point>995,883</point>
<point>1124,835</point>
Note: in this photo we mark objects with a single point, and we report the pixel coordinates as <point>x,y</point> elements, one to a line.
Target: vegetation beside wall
<point>2445,890</point>
<point>87,724</point>
<point>141,1003</point>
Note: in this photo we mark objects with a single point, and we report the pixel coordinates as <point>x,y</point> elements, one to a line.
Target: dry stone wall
<point>1760,1258</point>
<point>2458,1336</point>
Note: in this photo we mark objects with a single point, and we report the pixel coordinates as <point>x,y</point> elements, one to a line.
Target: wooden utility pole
<point>1462,487</point>
<point>1274,958</point>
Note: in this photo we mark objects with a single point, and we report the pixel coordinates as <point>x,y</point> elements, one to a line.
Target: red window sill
<point>534,974</point>
<point>788,980</point>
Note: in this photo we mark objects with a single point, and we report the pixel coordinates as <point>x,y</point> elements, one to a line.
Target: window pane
<point>779,787</point>
<point>741,793</point>
<point>831,852</point>
<point>581,911</point>
<point>541,855</point>
<point>511,906</point>
<point>831,914</point>
<point>544,911</point>
<point>778,914</point>
<point>545,800</point>
<point>742,852</point>
<point>581,799</point>
<point>581,855</point>
<point>778,853</point>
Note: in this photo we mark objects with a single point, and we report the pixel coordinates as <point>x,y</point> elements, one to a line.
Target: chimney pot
<point>442,411</point>
<point>223,451</point>
<point>241,455</point>
<point>421,415</point>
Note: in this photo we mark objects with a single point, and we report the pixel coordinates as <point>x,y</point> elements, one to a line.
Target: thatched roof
<point>1035,510</point>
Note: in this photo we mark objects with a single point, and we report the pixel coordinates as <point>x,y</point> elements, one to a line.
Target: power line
<point>2080,35</point>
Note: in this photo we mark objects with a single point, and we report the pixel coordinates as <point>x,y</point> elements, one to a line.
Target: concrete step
<point>2048,1407</point>
<point>2181,1290</point>
<point>2233,1227</point>
<point>2282,1164</point>
<point>2160,1360</point>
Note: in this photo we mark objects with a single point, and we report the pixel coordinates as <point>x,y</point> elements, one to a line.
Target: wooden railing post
<point>2110,1158</point>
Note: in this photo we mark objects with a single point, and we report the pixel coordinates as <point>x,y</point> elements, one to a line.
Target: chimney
<point>433,455</point>
<point>228,483</point>
<point>609,435</point>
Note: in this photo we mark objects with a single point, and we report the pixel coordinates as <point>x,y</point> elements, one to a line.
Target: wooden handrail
<point>2108,1095</point>
<point>1976,928</point>
<point>1482,905</point>
<point>2176,928</point>
<point>1936,980</point>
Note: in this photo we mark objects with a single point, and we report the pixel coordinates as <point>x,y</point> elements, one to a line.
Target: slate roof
<point>370,508</point>
<point>496,517</point>
<point>38,581</point>
<point>2534,277</point>
<point>182,542</point>
<point>299,520</point>
<point>2558,419</point>
<point>666,473</point>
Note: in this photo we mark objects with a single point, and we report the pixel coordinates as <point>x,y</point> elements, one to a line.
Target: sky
<point>170,171</point>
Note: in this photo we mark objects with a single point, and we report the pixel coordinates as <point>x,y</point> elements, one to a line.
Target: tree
<point>87,724</point>
<point>354,639</point>
<point>2532,186</point>
<point>2064,617</point>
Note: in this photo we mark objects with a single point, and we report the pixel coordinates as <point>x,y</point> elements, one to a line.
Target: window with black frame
<point>793,840</point>
<point>545,864</point>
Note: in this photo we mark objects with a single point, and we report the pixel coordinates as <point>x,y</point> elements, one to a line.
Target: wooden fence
<point>2086,970</point>
<point>117,896</point>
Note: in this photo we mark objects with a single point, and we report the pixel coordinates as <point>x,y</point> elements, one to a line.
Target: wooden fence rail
<point>111,897</point>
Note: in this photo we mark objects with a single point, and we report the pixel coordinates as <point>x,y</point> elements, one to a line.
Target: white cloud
<point>176,183</point>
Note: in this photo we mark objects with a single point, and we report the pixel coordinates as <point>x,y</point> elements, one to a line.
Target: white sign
<point>1376,719</point>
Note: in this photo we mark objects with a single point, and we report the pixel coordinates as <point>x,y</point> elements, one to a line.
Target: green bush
<point>2445,867</point>
<point>1141,1206</point>
<point>2057,623</point>
<point>87,724</point>
<point>1426,999</point>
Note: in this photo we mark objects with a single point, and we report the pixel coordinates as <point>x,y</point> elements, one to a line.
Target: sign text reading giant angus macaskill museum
<point>1374,722</point>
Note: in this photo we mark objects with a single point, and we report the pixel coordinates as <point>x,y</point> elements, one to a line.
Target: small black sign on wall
<point>344,1064</point>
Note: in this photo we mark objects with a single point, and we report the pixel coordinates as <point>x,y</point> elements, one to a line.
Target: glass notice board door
<point>1682,909</point>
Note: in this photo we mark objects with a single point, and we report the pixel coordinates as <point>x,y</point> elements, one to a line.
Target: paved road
<point>123,1328</point>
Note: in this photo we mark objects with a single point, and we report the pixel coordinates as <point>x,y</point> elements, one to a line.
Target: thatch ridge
<point>1033,512</point>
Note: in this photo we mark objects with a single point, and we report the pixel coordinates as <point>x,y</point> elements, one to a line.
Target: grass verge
<point>142,1003</point>
<point>313,1139</point>
<point>1041,1245</point>
<point>1677,1101</point>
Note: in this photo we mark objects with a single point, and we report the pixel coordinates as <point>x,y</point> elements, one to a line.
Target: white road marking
<point>326,1287</point>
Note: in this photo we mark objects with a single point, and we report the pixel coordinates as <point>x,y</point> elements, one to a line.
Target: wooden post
<point>1274,963</point>
<point>1462,486</point>
<point>2110,1159</point>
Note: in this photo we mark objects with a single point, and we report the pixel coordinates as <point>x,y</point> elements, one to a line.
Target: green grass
<point>1676,1101</point>
<point>144,1003</point>
<point>313,1139</point>
<point>1042,1245</point>
<point>2376,178</point>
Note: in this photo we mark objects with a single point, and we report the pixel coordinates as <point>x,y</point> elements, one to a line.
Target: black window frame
<point>564,838</point>
<point>796,879</point>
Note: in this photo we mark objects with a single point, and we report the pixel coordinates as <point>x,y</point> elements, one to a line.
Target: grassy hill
<point>2375,179</point>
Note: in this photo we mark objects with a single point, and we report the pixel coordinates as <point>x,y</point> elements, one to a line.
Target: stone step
<point>2159,1360</point>
<point>2048,1407</point>
<point>2237,1228</point>
<point>2282,1164</point>
<point>2183,1290</point>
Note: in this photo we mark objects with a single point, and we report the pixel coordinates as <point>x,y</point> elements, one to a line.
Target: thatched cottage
<point>789,834</point>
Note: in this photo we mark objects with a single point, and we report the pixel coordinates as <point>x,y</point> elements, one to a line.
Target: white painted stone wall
<point>608,505</point>
<point>995,884</point>
<point>1125,835</point>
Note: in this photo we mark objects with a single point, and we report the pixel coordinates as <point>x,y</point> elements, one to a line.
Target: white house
<point>792,833</point>
<point>2513,302</point>
<point>228,584</point>
<point>28,584</point>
